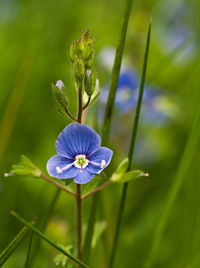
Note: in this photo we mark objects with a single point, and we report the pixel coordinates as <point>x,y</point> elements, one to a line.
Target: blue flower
<point>126,96</point>
<point>79,154</point>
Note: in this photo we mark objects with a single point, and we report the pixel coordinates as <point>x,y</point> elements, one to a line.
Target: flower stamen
<point>60,170</point>
<point>101,165</point>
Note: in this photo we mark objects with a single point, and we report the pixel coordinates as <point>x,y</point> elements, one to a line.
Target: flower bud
<point>88,52</point>
<point>59,94</point>
<point>84,39</point>
<point>73,52</point>
<point>90,81</point>
<point>79,70</point>
<point>89,62</point>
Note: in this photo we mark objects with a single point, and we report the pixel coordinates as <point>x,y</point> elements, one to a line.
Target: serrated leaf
<point>25,168</point>
<point>131,175</point>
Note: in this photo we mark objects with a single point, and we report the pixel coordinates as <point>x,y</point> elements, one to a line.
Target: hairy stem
<point>101,187</point>
<point>78,189</point>
<point>80,104</point>
<point>68,113</point>
<point>87,103</point>
<point>42,176</point>
<point>79,221</point>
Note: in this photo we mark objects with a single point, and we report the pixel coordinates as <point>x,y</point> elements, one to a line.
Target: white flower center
<point>81,161</point>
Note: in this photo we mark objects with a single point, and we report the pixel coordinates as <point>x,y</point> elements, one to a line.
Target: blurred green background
<point>34,40</point>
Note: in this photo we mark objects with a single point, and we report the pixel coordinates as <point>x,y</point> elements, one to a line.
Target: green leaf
<point>99,228</point>
<point>25,168</point>
<point>7,252</point>
<point>121,170</point>
<point>128,176</point>
<point>123,166</point>
<point>45,238</point>
<point>121,175</point>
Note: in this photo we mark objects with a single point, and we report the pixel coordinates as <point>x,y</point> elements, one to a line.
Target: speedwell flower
<point>127,91</point>
<point>79,154</point>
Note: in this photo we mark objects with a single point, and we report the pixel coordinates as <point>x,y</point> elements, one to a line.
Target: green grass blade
<point>115,73</point>
<point>44,224</point>
<point>183,170</point>
<point>14,103</point>
<point>45,238</point>
<point>7,252</point>
<point>131,150</point>
<point>27,263</point>
<point>109,110</point>
<point>90,229</point>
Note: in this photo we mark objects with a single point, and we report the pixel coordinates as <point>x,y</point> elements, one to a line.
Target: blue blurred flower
<point>157,107</point>
<point>126,96</point>
<point>79,154</point>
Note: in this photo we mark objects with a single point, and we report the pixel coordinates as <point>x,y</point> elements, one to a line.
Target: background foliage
<point>34,41</point>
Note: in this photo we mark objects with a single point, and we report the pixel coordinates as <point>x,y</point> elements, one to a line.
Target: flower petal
<point>83,176</point>
<point>102,154</point>
<point>77,139</point>
<point>127,78</point>
<point>61,162</point>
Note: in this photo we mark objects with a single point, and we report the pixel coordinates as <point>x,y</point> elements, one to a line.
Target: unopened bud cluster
<point>82,56</point>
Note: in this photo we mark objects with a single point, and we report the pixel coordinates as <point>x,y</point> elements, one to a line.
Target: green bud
<point>90,81</point>
<point>79,70</point>
<point>25,168</point>
<point>73,52</point>
<point>84,39</point>
<point>90,61</point>
<point>87,54</point>
<point>59,94</point>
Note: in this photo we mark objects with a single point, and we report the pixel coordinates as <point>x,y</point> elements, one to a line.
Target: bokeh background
<point>34,42</point>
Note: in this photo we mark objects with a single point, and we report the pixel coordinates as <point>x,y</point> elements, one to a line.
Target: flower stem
<point>78,187</point>
<point>87,103</point>
<point>101,187</point>
<point>68,113</point>
<point>80,104</point>
<point>42,176</point>
<point>79,221</point>
<point>131,150</point>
